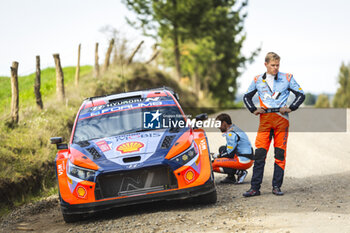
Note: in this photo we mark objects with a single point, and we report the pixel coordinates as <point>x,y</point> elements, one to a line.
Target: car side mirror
<point>202,117</point>
<point>58,141</point>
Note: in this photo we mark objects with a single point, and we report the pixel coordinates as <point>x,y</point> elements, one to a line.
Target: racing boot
<point>251,193</point>
<point>277,191</point>
<point>241,175</point>
<point>230,179</point>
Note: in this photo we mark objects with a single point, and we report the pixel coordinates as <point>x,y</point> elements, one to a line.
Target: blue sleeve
<point>294,86</point>
<point>298,92</point>
<point>252,87</point>
<point>232,141</point>
<point>248,97</point>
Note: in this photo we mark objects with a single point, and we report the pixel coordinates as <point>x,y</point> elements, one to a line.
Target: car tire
<point>70,218</point>
<point>208,198</point>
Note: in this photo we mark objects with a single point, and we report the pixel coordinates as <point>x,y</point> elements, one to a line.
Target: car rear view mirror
<point>58,141</point>
<point>202,117</point>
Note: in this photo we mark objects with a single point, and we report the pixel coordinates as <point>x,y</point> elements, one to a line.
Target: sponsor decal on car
<point>103,145</point>
<point>81,192</point>
<point>60,168</point>
<point>137,135</point>
<point>133,166</point>
<point>152,99</point>
<point>129,147</point>
<point>115,103</point>
<point>203,145</point>
<point>126,107</point>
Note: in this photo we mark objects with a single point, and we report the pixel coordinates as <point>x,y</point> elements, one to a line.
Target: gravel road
<point>317,199</point>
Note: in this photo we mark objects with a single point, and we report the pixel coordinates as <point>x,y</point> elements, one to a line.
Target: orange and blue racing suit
<point>272,125</point>
<point>236,155</point>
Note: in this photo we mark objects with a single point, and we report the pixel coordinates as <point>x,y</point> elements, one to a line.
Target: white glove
<point>214,155</point>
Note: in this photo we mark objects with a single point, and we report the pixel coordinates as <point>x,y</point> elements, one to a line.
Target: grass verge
<point>26,155</point>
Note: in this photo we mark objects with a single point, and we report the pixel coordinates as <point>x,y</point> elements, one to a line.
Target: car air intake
<point>167,141</point>
<point>132,159</point>
<point>134,182</point>
<point>131,99</point>
<point>94,152</point>
<point>83,143</point>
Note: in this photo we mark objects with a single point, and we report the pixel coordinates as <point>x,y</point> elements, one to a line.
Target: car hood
<point>128,151</point>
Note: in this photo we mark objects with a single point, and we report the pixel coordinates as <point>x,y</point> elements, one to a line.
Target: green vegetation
<point>26,86</point>
<point>29,198</point>
<point>26,155</point>
<point>322,101</point>
<point>27,146</point>
<point>310,99</point>
<point>342,96</point>
<point>201,39</point>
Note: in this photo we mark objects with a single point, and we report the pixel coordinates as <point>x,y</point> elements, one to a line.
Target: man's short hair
<point>271,56</point>
<point>224,117</point>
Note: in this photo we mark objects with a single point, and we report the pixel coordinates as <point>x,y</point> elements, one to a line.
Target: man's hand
<point>215,155</point>
<point>259,111</point>
<point>284,110</point>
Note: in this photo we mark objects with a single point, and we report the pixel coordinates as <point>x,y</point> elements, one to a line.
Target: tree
<point>160,18</point>
<point>201,38</point>
<point>121,45</point>
<point>226,27</point>
<point>322,101</point>
<point>342,96</point>
<point>310,99</point>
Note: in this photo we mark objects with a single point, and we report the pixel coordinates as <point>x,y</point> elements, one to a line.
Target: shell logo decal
<point>129,147</point>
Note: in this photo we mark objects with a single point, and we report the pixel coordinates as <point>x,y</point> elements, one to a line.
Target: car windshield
<point>129,121</point>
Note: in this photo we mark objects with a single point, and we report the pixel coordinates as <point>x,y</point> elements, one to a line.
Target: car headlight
<point>81,173</point>
<point>187,155</point>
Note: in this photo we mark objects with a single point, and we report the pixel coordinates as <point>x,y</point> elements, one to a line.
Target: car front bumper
<point>185,193</point>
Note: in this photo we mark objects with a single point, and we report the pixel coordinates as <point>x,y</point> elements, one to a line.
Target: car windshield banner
<point>126,107</point>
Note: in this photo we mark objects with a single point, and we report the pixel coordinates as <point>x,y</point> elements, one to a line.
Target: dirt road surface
<point>316,186</point>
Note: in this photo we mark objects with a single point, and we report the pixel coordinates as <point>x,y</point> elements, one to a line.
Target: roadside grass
<point>37,196</point>
<point>29,198</point>
<point>26,86</point>
<point>25,148</point>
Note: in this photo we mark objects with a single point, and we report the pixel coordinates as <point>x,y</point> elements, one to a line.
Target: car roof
<point>143,94</point>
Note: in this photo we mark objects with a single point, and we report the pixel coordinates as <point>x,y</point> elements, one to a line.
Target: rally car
<point>132,148</point>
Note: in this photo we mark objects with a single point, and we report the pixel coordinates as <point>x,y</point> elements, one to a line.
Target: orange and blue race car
<point>132,148</point>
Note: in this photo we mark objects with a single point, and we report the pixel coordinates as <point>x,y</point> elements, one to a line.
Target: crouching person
<point>237,156</point>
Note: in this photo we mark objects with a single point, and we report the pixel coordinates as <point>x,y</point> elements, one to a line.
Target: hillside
<point>26,155</point>
<point>26,86</point>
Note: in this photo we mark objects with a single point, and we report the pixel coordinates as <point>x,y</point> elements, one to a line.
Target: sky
<point>311,37</point>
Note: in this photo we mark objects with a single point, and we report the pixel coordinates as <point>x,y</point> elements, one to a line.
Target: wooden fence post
<point>133,53</point>
<point>15,94</point>
<point>155,54</point>
<point>59,78</point>
<point>97,66</point>
<point>77,69</point>
<point>115,56</point>
<point>37,84</point>
<point>108,55</point>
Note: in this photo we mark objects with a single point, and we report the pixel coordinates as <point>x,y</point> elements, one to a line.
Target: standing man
<point>236,157</point>
<point>273,89</point>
